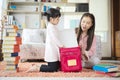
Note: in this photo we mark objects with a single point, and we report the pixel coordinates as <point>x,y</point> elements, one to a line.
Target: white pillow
<point>32,35</point>
<point>37,36</point>
<point>25,36</point>
<point>68,38</point>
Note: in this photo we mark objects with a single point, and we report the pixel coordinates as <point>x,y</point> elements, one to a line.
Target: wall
<point>101,10</point>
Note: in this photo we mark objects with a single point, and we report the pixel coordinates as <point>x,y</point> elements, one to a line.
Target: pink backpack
<point>70,59</point>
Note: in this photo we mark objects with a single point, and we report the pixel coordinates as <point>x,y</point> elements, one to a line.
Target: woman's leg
<point>51,67</point>
<point>91,62</point>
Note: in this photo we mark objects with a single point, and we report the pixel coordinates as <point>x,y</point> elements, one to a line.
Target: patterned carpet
<point>24,66</point>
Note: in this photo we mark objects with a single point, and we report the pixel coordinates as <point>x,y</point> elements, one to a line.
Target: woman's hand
<point>85,56</point>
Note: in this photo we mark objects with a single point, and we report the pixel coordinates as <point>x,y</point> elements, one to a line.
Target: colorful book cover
<point>112,74</point>
<point>105,68</point>
<point>11,54</point>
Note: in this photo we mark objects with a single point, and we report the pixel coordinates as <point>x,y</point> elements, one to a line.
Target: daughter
<point>52,43</point>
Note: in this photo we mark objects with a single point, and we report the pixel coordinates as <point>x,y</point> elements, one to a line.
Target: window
<point>1,1</point>
<point>0,11</point>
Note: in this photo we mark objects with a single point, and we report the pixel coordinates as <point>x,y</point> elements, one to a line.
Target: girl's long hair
<point>90,32</point>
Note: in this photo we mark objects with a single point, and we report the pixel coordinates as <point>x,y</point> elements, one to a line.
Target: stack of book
<point>11,48</point>
<point>108,69</point>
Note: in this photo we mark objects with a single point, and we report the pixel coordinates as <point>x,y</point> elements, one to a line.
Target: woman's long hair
<point>90,32</point>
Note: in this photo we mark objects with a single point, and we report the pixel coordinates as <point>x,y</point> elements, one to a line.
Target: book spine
<point>9,50</point>
<point>8,46</point>
<point>13,62</point>
<point>12,42</point>
<point>11,54</point>
<point>14,34</point>
<point>11,58</point>
<point>12,38</point>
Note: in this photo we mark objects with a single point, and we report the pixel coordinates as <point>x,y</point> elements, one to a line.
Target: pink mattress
<point>32,51</point>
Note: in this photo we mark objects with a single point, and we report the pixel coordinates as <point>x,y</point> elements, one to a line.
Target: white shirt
<point>52,44</point>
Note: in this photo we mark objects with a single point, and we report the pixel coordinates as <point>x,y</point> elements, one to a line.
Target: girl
<point>87,40</point>
<point>52,43</point>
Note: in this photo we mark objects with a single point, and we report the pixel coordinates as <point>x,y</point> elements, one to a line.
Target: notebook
<point>70,55</point>
<point>68,37</point>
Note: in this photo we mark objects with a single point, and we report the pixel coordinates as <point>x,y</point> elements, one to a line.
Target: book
<point>10,50</point>
<point>12,38</point>
<point>68,41</point>
<point>13,62</point>
<point>12,70</point>
<point>11,58</point>
<point>11,66</point>
<point>13,34</point>
<point>14,46</point>
<point>12,42</point>
<point>11,54</point>
<point>105,68</point>
<point>112,74</point>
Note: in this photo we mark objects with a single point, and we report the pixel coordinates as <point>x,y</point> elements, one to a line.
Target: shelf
<point>60,3</point>
<point>33,11</point>
<point>21,11</point>
<point>71,13</point>
<point>57,4</point>
<point>24,3</point>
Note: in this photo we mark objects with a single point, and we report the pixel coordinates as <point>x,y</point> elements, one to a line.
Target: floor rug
<point>26,65</point>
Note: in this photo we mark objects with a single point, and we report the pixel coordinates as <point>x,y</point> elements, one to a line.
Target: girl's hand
<point>62,46</point>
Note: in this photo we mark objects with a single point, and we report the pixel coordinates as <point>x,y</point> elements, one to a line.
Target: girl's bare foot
<point>34,68</point>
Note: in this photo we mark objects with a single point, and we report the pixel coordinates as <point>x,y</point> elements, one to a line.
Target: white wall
<point>101,10</point>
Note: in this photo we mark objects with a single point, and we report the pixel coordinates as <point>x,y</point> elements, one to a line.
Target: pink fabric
<point>83,45</point>
<point>32,51</point>
<point>70,59</point>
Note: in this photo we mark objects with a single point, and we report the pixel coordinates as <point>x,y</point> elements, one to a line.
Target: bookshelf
<point>28,13</point>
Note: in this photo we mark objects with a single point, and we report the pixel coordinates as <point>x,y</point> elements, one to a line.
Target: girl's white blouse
<point>52,43</point>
